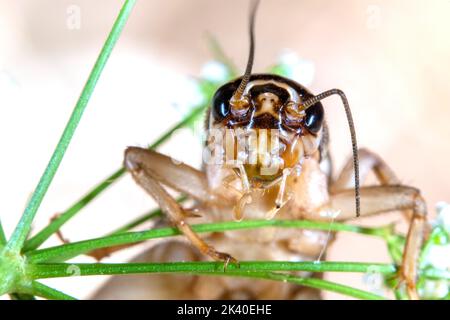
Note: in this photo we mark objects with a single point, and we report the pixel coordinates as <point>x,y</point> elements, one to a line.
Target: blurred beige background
<point>390,57</point>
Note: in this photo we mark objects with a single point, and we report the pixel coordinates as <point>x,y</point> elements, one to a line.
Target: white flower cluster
<point>443,218</point>
<point>438,257</point>
<point>297,69</point>
<point>215,71</point>
<point>188,93</point>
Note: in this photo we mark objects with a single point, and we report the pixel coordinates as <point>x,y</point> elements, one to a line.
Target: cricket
<point>261,217</point>
<point>268,157</point>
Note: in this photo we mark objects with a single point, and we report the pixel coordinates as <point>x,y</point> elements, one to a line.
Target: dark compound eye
<point>314,118</point>
<point>221,102</point>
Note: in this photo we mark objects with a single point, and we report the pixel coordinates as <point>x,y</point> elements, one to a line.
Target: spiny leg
<point>141,164</point>
<point>176,175</point>
<point>381,199</point>
<point>368,162</point>
<point>170,172</point>
<point>371,162</point>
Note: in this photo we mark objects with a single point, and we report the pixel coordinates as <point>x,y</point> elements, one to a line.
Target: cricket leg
<point>381,199</point>
<point>178,176</point>
<point>371,162</point>
<point>169,172</point>
<point>149,169</point>
<point>368,162</point>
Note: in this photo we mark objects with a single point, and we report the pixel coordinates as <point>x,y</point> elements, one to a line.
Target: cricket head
<point>268,131</point>
<point>260,125</point>
<point>264,125</point>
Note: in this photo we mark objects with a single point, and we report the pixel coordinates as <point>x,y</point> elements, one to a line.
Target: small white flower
<point>439,257</point>
<point>329,213</point>
<point>443,218</point>
<point>374,281</point>
<point>299,69</point>
<point>314,236</point>
<point>215,71</point>
<point>188,95</point>
<point>289,57</point>
<point>434,289</point>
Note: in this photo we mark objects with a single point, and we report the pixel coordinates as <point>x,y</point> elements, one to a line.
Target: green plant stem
<point>2,235</point>
<point>256,269</point>
<point>57,270</point>
<point>70,250</point>
<point>41,290</point>
<point>21,296</point>
<point>23,227</point>
<point>310,282</point>
<point>61,219</point>
<point>138,221</point>
<point>57,223</point>
<point>435,274</point>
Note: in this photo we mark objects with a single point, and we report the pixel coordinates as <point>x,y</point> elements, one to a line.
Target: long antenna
<point>308,103</point>
<point>237,96</point>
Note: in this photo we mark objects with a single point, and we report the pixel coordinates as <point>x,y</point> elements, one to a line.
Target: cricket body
<point>266,156</point>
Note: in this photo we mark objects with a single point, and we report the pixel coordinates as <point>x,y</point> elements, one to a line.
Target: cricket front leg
<point>381,199</point>
<point>149,169</point>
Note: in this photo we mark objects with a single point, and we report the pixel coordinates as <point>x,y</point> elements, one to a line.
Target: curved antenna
<point>311,101</point>
<point>236,99</point>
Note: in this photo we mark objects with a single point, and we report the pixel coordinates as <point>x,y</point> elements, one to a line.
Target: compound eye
<point>221,102</point>
<point>314,118</point>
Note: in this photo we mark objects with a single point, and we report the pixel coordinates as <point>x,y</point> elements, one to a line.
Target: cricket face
<point>269,135</point>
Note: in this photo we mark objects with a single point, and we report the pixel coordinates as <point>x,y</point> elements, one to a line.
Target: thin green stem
<point>435,274</point>
<point>247,269</point>
<point>41,290</point>
<point>23,227</point>
<point>70,250</point>
<point>57,223</point>
<point>2,235</point>
<point>57,270</point>
<point>138,221</point>
<point>312,283</point>
<point>21,296</point>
